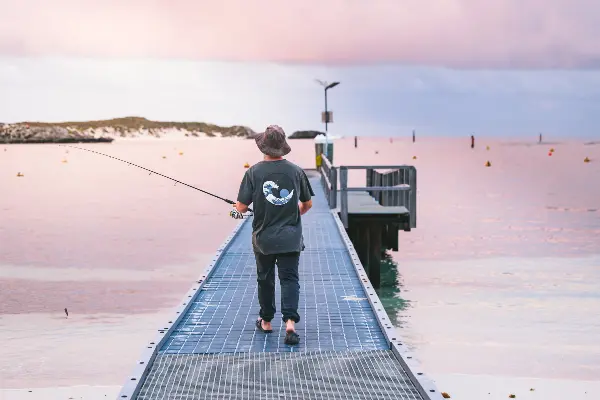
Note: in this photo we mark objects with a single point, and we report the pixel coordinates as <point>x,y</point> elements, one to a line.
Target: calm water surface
<point>501,276</point>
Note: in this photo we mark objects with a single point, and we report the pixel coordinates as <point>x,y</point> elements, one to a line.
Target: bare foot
<point>267,326</point>
<point>290,326</point>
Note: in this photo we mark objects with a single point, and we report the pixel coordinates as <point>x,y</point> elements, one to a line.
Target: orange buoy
<point>488,164</point>
<point>550,153</point>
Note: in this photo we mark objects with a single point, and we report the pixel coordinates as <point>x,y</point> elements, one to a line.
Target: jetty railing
<point>401,176</point>
<point>329,181</point>
<point>395,188</point>
<point>378,187</point>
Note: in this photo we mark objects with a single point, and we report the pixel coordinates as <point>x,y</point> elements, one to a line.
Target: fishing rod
<point>235,214</point>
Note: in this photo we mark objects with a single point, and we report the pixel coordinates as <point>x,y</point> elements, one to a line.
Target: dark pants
<point>287,264</point>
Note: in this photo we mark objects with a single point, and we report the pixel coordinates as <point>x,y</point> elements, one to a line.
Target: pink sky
<point>462,33</point>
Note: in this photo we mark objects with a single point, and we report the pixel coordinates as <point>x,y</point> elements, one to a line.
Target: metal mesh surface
<point>335,313</point>
<point>215,351</point>
<point>310,375</point>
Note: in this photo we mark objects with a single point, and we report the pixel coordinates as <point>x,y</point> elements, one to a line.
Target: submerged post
<point>375,232</point>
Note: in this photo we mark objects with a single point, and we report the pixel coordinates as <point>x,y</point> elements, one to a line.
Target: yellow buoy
<point>551,150</point>
<point>20,174</point>
<point>246,165</point>
<point>164,156</point>
<point>586,160</point>
<point>181,153</point>
<point>414,157</point>
<point>488,164</point>
<point>487,147</point>
<point>64,161</point>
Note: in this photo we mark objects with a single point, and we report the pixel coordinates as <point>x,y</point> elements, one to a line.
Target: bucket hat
<point>272,142</point>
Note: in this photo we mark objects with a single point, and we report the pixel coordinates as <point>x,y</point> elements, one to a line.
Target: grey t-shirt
<point>274,189</point>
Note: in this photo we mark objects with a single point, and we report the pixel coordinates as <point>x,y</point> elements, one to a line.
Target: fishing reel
<point>235,214</point>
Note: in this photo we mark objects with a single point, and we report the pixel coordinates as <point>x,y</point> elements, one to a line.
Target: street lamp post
<point>327,86</point>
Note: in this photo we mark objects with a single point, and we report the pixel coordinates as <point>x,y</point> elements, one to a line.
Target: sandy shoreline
<point>49,350</point>
<point>62,393</point>
<point>485,387</point>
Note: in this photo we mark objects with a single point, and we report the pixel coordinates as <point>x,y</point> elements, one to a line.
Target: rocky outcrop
<point>305,134</point>
<point>108,130</point>
<point>23,133</point>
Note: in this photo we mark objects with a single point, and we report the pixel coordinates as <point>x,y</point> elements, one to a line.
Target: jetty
<point>349,349</point>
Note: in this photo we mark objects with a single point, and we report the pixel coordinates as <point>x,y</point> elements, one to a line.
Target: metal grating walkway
<point>371,375</point>
<point>214,351</point>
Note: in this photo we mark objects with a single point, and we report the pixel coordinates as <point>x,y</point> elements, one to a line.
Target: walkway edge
<point>134,383</point>
<point>424,385</point>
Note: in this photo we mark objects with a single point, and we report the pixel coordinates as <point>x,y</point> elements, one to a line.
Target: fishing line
<point>157,173</point>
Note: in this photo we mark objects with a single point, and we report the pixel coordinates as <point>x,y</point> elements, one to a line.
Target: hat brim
<point>269,150</point>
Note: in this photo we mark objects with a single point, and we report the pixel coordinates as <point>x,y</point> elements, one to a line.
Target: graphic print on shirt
<point>278,189</point>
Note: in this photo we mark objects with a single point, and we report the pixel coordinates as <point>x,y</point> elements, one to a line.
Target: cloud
<point>371,100</point>
<point>454,33</point>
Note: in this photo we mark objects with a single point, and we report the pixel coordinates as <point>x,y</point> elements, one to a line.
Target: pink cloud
<point>460,33</point>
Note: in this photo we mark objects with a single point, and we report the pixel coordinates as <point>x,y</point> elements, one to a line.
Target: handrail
<point>377,166</point>
<point>409,200</point>
<point>379,188</point>
<point>391,182</point>
<point>326,161</point>
<point>329,181</point>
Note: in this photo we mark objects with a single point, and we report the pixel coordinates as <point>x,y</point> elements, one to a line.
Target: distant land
<point>108,130</point>
<point>305,134</point>
<point>123,128</point>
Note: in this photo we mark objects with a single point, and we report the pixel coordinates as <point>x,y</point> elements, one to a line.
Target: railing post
<point>370,179</point>
<point>344,195</point>
<point>333,191</point>
<point>396,182</point>
<point>386,196</point>
<point>377,181</point>
<point>326,172</point>
<point>412,181</point>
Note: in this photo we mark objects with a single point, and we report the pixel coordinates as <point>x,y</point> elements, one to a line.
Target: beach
<point>501,275</point>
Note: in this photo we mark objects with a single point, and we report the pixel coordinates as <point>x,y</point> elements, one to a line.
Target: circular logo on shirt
<point>278,189</point>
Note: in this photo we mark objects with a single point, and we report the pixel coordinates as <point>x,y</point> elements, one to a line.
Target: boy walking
<point>280,193</point>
